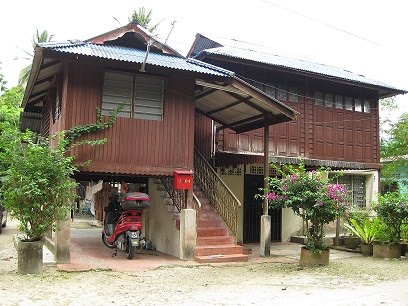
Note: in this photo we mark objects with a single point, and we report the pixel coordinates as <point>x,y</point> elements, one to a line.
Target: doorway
<point>253,212</point>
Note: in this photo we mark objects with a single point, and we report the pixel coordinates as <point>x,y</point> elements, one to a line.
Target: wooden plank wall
<point>319,133</point>
<point>143,147</point>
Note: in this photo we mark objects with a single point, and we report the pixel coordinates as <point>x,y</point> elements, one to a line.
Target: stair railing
<point>220,196</point>
<point>177,196</point>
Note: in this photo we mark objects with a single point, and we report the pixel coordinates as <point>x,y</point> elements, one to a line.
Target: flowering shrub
<point>392,209</point>
<point>312,197</point>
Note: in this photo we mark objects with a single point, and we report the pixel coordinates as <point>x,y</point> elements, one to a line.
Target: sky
<point>365,37</point>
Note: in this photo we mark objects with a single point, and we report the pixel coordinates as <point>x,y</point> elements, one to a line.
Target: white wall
<point>159,227</point>
<point>236,184</point>
<point>291,224</point>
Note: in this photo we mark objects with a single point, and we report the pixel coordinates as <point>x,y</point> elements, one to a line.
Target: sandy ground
<point>346,281</point>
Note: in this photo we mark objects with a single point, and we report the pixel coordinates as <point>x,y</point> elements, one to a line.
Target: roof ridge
<point>210,66</point>
<point>296,64</point>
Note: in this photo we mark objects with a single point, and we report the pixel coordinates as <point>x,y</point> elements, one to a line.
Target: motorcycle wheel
<point>130,250</point>
<point>106,243</point>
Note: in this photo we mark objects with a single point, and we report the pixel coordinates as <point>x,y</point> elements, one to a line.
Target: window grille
<point>355,185</point>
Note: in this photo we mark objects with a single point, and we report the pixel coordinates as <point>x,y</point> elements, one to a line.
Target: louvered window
<point>141,97</point>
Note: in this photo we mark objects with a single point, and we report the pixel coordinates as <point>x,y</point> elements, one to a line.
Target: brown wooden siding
<point>320,132</point>
<point>134,146</point>
<point>203,135</point>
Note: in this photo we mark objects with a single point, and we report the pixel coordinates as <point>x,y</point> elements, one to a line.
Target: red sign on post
<point>183,179</point>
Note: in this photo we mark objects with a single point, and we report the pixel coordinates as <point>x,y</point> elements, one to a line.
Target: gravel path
<point>346,281</point>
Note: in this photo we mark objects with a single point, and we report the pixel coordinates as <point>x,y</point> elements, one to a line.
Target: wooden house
<point>337,127</point>
<point>164,97</point>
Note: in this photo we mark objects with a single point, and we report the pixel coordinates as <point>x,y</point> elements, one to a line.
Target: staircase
<point>214,240</point>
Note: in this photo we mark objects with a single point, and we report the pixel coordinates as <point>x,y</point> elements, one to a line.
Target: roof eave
<point>35,69</point>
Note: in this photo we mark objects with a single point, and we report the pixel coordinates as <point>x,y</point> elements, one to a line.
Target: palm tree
<point>143,19</point>
<point>38,37</point>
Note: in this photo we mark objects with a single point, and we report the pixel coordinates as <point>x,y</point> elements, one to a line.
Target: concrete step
<point>204,201</point>
<point>208,215</point>
<point>164,194</point>
<point>172,209</point>
<point>210,223</point>
<point>211,231</point>
<point>215,240</point>
<point>168,201</point>
<point>222,258</point>
<point>205,207</point>
<point>199,194</point>
<point>223,249</point>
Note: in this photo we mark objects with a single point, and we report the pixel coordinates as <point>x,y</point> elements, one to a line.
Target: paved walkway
<point>89,253</point>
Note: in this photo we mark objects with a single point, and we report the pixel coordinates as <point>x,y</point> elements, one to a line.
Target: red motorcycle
<point>122,226</point>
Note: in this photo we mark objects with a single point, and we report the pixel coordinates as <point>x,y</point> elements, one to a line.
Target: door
<point>253,212</point>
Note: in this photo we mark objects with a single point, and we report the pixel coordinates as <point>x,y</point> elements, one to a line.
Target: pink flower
<point>272,196</point>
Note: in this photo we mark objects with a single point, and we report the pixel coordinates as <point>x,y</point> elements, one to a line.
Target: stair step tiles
<point>211,231</point>
<point>215,240</point>
<point>223,249</point>
<point>222,258</point>
<point>209,223</point>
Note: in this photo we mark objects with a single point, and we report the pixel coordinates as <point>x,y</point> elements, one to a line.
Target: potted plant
<point>392,209</point>
<point>311,196</point>
<point>36,189</point>
<point>367,232</point>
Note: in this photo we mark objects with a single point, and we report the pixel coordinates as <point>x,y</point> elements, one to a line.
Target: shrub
<point>311,196</point>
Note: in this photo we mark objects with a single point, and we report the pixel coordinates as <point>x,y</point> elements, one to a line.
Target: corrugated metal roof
<point>291,63</point>
<point>132,55</point>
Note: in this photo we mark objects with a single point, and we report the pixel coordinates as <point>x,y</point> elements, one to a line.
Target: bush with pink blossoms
<point>311,196</point>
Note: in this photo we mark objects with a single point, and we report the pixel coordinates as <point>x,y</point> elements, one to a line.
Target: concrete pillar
<point>265,240</point>
<point>63,240</point>
<point>188,233</point>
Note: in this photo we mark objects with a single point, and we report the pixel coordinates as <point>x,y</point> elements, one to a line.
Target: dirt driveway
<point>347,280</point>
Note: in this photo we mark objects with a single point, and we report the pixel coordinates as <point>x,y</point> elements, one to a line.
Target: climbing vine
<point>77,131</point>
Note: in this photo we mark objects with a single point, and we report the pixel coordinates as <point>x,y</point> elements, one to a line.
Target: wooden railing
<point>220,196</point>
<point>177,196</point>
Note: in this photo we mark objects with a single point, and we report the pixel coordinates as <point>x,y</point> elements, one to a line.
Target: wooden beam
<point>248,120</point>
<point>205,93</point>
<point>224,107</point>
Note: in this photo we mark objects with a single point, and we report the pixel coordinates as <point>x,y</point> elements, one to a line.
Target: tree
<point>143,19</point>
<point>10,111</point>
<point>38,37</point>
<point>395,149</point>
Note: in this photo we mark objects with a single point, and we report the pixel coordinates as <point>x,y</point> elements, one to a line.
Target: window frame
<point>132,96</point>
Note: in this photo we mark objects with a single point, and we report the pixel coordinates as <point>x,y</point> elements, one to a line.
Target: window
<point>141,97</point>
<point>367,108</point>
<point>328,100</point>
<point>281,94</point>
<point>349,103</point>
<point>338,101</point>
<point>358,107</point>
<point>355,185</point>
<point>319,98</point>
<point>293,94</point>
<point>270,90</point>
